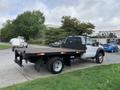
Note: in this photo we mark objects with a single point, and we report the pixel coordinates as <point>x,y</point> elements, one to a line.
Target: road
<point>11,73</point>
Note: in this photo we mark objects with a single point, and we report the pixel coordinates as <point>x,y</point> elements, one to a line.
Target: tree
<point>7,31</point>
<point>74,27</point>
<point>29,24</point>
<point>53,35</point>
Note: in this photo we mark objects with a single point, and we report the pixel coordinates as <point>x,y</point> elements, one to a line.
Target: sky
<point>104,14</point>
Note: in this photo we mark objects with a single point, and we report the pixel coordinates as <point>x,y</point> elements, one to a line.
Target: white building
<point>103,40</point>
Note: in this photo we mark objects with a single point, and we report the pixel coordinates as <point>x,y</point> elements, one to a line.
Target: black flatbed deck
<point>49,50</point>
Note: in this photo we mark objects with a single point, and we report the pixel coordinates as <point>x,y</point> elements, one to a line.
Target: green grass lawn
<point>95,78</point>
<point>4,46</point>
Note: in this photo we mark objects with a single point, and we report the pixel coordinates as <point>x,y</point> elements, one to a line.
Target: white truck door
<point>91,50</point>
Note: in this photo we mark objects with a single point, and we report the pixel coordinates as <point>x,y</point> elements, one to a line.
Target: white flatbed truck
<point>56,58</point>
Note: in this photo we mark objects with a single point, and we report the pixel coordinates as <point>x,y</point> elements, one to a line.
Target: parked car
<point>56,44</point>
<point>18,42</point>
<point>111,47</point>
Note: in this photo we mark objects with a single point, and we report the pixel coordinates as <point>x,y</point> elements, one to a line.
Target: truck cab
<point>93,49</point>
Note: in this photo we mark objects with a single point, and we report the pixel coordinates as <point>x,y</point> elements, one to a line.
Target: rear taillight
<point>40,54</point>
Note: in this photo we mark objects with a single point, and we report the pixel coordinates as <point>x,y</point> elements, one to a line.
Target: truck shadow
<point>29,71</point>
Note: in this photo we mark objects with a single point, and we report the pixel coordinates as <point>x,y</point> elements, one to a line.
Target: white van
<point>18,43</point>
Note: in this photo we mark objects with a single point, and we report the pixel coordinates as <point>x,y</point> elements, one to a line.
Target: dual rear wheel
<point>55,65</point>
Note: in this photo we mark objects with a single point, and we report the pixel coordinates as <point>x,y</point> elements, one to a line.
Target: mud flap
<point>67,61</point>
<point>39,63</point>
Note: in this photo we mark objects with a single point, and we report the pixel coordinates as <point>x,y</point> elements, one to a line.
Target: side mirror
<point>95,44</point>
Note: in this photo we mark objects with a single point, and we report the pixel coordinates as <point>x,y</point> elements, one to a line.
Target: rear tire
<point>55,65</point>
<point>99,58</point>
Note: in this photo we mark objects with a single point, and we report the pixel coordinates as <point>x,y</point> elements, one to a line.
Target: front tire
<point>55,65</point>
<point>99,58</point>
<point>112,51</point>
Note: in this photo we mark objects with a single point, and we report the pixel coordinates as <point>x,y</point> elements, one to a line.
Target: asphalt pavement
<point>11,73</point>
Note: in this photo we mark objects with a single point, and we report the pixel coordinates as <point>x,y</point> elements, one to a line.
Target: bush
<point>37,41</point>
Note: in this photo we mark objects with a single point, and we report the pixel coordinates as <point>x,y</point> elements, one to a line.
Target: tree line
<point>31,25</point>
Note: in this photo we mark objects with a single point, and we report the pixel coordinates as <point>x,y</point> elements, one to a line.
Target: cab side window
<point>89,41</point>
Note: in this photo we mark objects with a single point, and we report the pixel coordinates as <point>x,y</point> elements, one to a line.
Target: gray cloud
<point>104,14</point>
